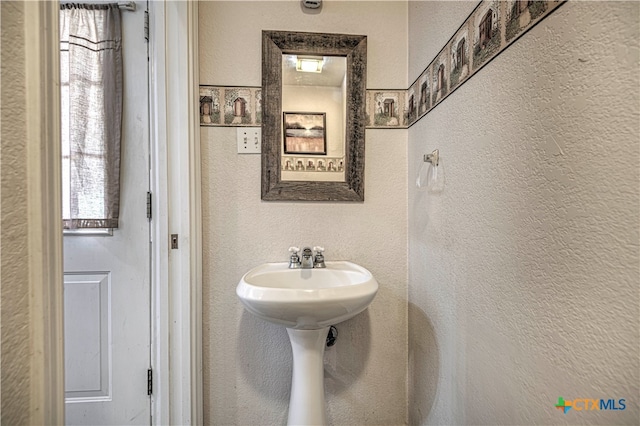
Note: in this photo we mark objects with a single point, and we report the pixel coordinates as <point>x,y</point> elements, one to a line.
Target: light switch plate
<point>249,140</point>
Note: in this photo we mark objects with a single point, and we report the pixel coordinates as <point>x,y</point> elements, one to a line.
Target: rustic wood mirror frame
<point>354,48</point>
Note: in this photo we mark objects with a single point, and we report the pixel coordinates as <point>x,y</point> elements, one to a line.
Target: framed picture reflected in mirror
<point>305,133</point>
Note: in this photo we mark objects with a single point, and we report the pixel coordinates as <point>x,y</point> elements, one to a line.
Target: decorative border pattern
<point>230,106</point>
<point>490,28</point>
<point>385,109</point>
<point>294,163</point>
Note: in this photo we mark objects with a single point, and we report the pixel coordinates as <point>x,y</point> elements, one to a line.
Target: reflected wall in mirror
<point>314,88</point>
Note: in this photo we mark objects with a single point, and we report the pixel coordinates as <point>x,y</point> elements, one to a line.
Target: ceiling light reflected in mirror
<point>334,69</point>
<point>309,64</point>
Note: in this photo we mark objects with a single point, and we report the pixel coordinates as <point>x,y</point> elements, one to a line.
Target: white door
<point>107,278</point>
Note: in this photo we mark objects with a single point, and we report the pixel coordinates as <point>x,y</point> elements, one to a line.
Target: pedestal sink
<point>307,302</point>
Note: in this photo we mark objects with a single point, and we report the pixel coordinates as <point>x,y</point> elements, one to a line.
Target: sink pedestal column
<point>307,406</point>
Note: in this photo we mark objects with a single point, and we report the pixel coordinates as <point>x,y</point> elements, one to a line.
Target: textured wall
<point>247,362</point>
<point>524,272</point>
<point>14,273</point>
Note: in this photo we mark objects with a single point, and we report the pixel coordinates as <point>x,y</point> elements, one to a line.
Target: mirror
<point>314,111</point>
<point>313,122</point>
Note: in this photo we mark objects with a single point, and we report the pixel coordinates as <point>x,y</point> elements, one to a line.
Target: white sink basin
<point>307,299</point>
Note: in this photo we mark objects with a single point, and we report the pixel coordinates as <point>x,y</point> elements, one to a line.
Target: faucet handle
<point>318,261</point>
<point>294,260</point>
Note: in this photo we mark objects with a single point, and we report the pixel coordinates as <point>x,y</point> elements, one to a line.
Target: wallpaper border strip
<point>230,106</point>
<point>494,24</point>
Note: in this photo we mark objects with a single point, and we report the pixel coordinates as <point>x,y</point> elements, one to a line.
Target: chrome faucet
<point>307,260</point>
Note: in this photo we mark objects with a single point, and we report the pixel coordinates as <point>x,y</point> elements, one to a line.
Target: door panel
<point>87,338</point>
<point>107,278</point>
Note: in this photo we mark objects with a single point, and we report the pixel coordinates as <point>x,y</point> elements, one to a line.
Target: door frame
<point>176,346</point>
<point>176,187</point>
<point>44,211</point>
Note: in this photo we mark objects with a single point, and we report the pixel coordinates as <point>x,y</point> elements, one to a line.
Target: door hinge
<point>149,382</point>
<point>146,25</point>
<point>148,205</point>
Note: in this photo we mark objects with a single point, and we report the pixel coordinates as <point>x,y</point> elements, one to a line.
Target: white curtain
<point>91,89</point>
